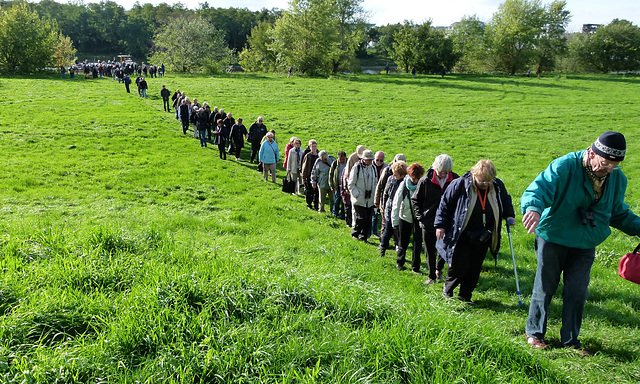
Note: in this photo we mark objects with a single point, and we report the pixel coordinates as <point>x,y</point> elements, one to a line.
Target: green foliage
<point>191,44</point>
<point>383,39</point>
<point>614,47</point>
<point>512,34</point>
<point>552,42</point>
<point>258,57</point>
<point>468,36</point>
<point>525,33</point>
<point>312,36</point>
<point>65,53</point>
<point>235,23</point>
<point>424,48</point>
<point>27,42</point>
<point>404,47</point>
<point>434,51</point>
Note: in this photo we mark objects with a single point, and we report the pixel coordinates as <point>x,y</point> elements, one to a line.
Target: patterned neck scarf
<point>596,181</point>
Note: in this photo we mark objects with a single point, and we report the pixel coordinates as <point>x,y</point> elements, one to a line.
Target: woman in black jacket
<point>238,135</point>
<point>426,200</point>
<point>468,223</point>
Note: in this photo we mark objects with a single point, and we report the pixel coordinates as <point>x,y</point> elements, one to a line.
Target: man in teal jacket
<point>571,206</point>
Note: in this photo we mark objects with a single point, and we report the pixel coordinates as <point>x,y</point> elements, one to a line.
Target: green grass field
<point>131,255</point>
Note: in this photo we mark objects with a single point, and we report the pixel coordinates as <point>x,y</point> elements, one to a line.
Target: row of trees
<point>105,27</point>
<point>311,36</point>
<point>523,36</point>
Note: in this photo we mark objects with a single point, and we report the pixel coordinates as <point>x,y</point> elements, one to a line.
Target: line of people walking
<point>455,219</point>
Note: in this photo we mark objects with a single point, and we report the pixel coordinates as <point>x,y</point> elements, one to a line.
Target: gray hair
<point>399,157</point>
<point>442,163</point>
<point>322,154</point>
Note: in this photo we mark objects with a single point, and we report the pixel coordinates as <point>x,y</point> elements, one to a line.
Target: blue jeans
<point>338,206</point>
<point>203,137</point>
<point>575,266</point>
<point>375,222</point>
<point>143,93</point>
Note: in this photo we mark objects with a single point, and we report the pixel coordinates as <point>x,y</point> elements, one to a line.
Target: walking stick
<point>513,257</point>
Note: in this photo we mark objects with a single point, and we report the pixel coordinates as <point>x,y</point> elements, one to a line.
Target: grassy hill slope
<point>130,254</point>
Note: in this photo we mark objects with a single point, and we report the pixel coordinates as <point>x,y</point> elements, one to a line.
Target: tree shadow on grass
<point>622,78</point>
<point>456,82</point>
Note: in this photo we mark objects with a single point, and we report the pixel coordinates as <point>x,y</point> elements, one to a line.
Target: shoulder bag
<point>629,268</point>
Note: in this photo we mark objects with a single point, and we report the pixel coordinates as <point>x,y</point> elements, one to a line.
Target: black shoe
<point>400,267</point>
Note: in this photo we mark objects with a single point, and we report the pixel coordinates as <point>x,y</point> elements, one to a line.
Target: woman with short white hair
<point>269,155</point>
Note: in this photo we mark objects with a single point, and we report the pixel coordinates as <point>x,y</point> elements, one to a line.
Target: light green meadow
<point>131,255</point>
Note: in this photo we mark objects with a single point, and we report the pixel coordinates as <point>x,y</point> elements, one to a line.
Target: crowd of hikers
<point>456,219</point>
<point>399,201</point>
<point>112,68</point>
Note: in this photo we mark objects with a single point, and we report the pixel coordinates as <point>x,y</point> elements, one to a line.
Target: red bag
<point>629,268</point>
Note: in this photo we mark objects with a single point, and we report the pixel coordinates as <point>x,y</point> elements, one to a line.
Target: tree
<point>136,36</point>
<point>433,51</point>
<point>512,34</point>
<point>383,39</point>
<point>351,23</point>
<point>404,46</point>
<point>524,33</point>
<point>191,44</point>
<point>318,36</point>
<point>27,42</point>
<point>552,43</point>
<point>468,36</point>
<point>614,47</point>
<point>424,48</point>
<point>64,53</point>
<point>259,57</point>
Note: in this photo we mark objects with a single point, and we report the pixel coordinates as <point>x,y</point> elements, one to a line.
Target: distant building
<point>589,29</point>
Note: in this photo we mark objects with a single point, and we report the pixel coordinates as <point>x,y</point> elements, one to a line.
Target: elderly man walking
<point>571,206</point>
<point>320,179</point>
<point>362,186</point>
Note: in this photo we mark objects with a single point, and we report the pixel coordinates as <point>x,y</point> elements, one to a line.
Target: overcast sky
<point>441,12</point>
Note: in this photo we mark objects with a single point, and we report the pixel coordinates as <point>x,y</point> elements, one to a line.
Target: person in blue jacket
<point>269,155</point>
<point>468,224</point>
<point>571,206</point>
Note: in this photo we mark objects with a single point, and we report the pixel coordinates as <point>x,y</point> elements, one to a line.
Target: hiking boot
<point>429,281</point>
<point>580,350</point>
<point>382,251</point>
<point>536,343</point>
<point>400,267</point>
<point>583,352</point>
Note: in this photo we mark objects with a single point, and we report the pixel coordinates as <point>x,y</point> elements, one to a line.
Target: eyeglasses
<point>379,160</point>
<point>604,163</point>
<point>483,182</point>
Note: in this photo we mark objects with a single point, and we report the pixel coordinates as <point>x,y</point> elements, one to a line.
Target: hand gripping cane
<point>513,257</point>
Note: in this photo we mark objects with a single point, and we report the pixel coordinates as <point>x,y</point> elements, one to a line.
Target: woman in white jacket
<point>402,218</point>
